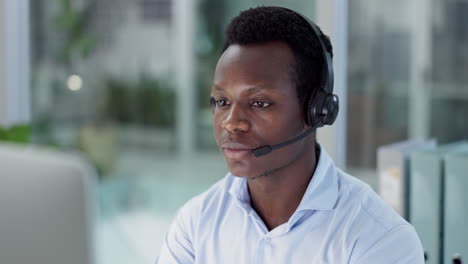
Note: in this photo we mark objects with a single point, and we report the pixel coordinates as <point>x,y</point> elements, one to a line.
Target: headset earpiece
<point>322,109</point>
<point>330,109</point>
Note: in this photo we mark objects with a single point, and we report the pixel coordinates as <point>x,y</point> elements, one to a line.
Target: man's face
<point>256,105</point>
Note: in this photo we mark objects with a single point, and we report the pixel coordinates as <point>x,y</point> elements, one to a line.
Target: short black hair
<point>269,23</point>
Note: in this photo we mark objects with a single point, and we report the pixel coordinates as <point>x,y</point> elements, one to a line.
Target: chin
<point>242,169</point>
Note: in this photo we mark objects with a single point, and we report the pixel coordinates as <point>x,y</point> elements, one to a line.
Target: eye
<point>222,103</point>
<point>261,104</point>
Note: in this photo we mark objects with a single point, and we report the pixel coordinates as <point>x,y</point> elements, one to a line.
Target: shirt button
<point>267,239</point>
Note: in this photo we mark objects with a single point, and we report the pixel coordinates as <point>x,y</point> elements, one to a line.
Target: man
<point>291,205</point>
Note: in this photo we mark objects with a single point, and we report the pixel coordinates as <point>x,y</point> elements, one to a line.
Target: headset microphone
<point>261,151</point>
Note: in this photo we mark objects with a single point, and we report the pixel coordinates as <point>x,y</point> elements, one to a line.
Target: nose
<point>235,120</point>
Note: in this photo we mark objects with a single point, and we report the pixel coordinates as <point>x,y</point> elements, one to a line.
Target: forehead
<point>264,64</point>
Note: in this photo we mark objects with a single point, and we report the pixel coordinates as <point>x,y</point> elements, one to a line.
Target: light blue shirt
<point>339,220</point>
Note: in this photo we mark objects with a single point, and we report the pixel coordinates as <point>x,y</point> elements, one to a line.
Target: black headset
<point>322,106</point>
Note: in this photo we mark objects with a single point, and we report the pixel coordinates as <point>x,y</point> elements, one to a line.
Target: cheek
<point>279,128</point>
<point>217,127</point>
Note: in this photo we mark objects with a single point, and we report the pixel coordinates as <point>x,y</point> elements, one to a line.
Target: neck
<point>276,196</point>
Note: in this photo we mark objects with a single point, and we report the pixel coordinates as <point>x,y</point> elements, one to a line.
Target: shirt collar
<point>321,194</point>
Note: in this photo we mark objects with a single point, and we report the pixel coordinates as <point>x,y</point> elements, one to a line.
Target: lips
<point>235,150</point>
<point>236,153</point>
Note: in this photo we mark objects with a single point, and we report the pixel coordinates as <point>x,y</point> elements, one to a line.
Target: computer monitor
<point>46,214</point>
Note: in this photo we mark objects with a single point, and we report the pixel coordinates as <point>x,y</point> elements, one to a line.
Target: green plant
<point>148,101</point>
<point>73,24</point>
<point>18,133</point>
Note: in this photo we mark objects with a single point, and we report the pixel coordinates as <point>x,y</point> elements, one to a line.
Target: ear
<point>305,125</point>
<point>303,116</point>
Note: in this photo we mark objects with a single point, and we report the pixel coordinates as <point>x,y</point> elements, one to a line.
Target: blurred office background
<point>127,83</point>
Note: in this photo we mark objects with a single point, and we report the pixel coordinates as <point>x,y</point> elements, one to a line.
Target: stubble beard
<point>272,172</point>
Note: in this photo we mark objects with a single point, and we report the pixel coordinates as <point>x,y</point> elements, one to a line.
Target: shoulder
<point>181,238</point>
<point>366,204</point>
<point>372,224</point>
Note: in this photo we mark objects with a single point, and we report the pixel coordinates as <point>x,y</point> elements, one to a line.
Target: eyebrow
<point>253,89</point>
<point>217,88</point>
